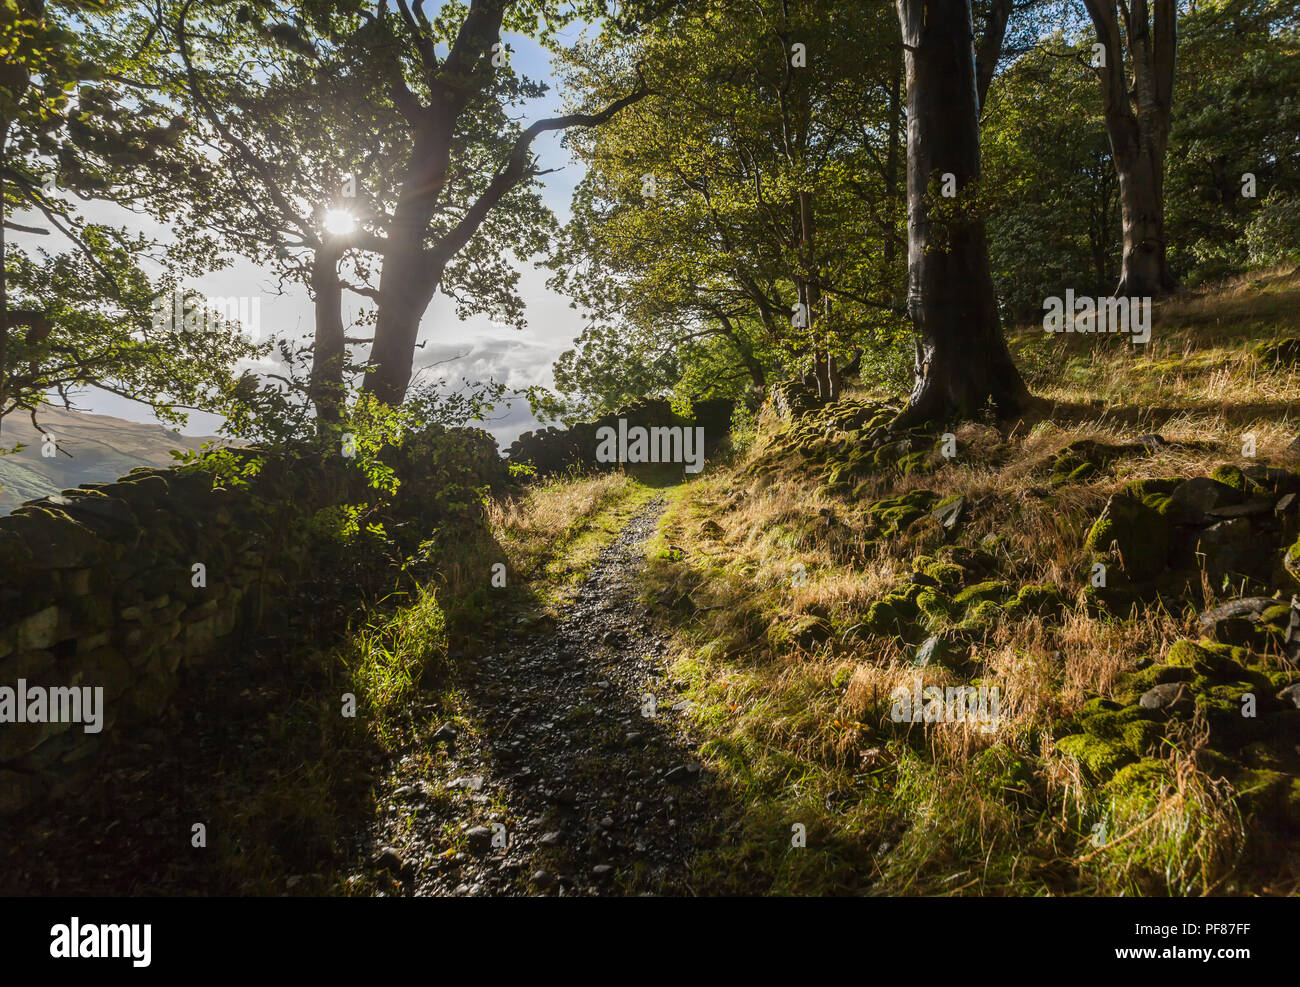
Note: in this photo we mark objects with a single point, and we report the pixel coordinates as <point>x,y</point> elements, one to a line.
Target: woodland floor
<point>683,674</point>
<point>575,743</point>
<point>570,734</point>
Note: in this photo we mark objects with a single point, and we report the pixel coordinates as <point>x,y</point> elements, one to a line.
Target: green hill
<point>91,449</point>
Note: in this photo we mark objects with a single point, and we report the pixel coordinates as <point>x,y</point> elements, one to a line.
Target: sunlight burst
<point>339,221</point>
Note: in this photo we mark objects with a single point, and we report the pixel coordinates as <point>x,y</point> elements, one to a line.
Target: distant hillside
<point>99,448</point>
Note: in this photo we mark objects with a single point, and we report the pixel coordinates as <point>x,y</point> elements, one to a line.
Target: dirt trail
<point>596,797</point>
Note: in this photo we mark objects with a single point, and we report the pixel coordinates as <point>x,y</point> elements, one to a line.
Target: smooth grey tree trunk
<point>962,361</point>
<point>1137,123</point>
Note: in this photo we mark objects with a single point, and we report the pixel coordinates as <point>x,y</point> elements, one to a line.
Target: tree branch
<point>515,169</point>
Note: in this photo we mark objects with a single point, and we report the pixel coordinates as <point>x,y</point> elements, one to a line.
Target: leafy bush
<point>1273,234</point>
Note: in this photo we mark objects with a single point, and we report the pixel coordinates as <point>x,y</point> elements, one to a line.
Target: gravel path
<point>580,752</point>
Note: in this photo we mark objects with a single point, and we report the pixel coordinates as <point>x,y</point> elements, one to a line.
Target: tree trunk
<point>4,284</point>
<point>810,297</point>
<point>833,377</point>
<point>891,172</point>
<point>327,386</point>
<point>962,361</point>
<point>1144,270</point>
<point>411,273</point>
<point>405,289</point>
<point>990,48</point>
<point>1137,124</point>
<point>405,283</point>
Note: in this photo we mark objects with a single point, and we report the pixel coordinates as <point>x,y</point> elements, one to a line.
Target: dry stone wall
<point>126,587</point>
<point>554,450</point>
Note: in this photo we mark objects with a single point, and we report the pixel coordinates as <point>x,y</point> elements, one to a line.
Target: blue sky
<point>477,348</point>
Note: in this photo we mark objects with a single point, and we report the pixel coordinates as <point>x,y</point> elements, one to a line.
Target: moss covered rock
<point>889,614</point>
<point>981,616</point>
<point>990,589</point>
<point>894,514</point>
<point>1099,758</point>
<point>1138,534</point>
<point>1132,686</point>
<point>1117,726</point>
<point>1037,598</point>
<point>804,631</point>
<point>1232,476</point>
<point>937,607</point>
<point>1154,492</point>
<point>946,574</point>
<point>1271,794</point>
<point>1146,778</point>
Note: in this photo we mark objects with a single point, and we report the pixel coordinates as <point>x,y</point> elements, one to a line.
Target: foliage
<point>683,248</point>
<point>1273,233</point>
<point>1054,196</point>
<point>98,326</point>
<point>76,123</point>
<point>1238,61</point>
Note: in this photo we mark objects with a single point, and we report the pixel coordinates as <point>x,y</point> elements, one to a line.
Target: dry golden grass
<point>548,512</point>
<point>553,533</point>
<point>1198,364</point>
<point>794,722</point>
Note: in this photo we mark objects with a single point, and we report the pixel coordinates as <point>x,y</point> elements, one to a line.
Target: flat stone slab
<point>1250,508</point>
<point>1249,607</point>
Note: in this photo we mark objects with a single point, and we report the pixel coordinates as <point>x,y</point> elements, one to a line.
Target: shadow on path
<point>578,749</point>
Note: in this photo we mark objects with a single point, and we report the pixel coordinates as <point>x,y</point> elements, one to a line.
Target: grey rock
<point>1291,645</point>
<point>1248,508</point>
<point>1169,697</point>
<point>479,838</point>
<point>682,774</point>
<point>1235,622</point>
<point>1191,502</point>
<point>933,651</point>
<point>1250,607</point>
<point>89,509</point>
<point>949,515</point>
<point>1291,695</point>
<point>542,879</point>
<point>1233,548</point>
<point>388,859</point>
